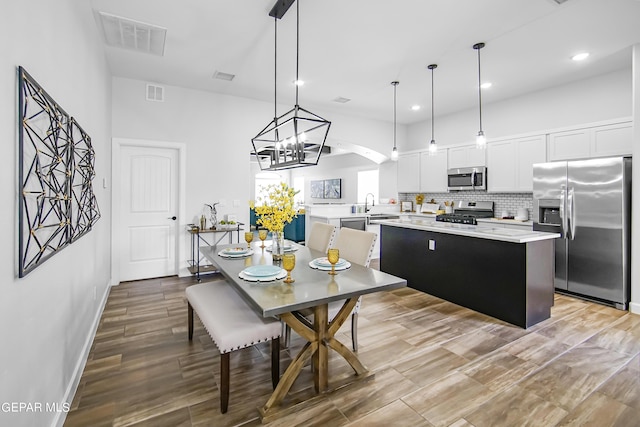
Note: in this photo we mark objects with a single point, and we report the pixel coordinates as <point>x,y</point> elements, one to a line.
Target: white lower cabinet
<point>510,163</point>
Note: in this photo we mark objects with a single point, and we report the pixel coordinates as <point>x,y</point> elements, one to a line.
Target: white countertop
<point>511,235</point>
<point>505,221</point>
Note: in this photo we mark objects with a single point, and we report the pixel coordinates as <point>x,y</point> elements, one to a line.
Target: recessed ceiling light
<point>298,82</point>
<point>580,56</point>
<point>415,107</point>
<point>486,85</point>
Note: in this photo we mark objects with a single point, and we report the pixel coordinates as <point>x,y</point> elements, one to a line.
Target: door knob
<point>173,217</point>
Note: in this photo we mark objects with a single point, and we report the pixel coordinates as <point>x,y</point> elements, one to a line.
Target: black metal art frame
<point>56,167</point>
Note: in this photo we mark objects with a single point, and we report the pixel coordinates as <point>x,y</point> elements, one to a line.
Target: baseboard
<point>634,307</point>
<point>82,361</point>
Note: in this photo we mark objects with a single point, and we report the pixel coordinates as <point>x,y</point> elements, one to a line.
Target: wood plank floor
<point>435,364</point>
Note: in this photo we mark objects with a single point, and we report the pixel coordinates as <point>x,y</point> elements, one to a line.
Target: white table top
<point>311,287</point>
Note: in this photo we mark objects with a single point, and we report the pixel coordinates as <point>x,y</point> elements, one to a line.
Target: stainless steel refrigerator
<point>589,203</point>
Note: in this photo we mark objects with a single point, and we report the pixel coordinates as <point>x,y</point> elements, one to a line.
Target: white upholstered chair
<point>232,325</point>
<point>355,246</point>
<point>321,236</point>
<point>320,239</point>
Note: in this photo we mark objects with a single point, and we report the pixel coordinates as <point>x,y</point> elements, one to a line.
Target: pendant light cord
<point>395,87</point>
<point>297,47</point>
<point>432,124</point>
<point>479,46</point>
<point>275,69</point>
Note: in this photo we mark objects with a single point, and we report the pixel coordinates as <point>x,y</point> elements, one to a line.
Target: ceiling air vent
<point>155,93</point>
<point>341,100</point>
<point>223,76</point>
<point>133,35</point>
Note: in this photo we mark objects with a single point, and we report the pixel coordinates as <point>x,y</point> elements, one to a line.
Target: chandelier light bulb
<point>481,141</point>
<point>394,154</point>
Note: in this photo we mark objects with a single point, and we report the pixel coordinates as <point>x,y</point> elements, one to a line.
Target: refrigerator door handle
<point>571,214</point>
<point>563,216</point>
<point>473,180</point>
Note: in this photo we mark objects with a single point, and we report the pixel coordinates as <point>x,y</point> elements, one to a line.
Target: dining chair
<point>356,246</point>
<point>320,239</point>
<point>232,325</point>
<point>321,236</point>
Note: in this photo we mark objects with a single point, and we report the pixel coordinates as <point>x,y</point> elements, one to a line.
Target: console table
<point>198,236</point>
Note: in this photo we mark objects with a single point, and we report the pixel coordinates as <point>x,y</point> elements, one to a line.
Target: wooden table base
<point>320,336</point>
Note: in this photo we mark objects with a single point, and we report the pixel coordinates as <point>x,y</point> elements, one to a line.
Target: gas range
<point>467,212</point>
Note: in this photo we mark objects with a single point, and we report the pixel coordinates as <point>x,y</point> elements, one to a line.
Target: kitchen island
<point>502,272</point>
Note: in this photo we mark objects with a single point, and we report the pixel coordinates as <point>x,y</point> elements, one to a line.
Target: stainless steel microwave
<point>474,178</point>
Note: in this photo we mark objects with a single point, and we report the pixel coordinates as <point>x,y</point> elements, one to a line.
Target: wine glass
<point>248,237</point>
<point>262,234</point>
<point>334,256</point>
<point>288,263</point>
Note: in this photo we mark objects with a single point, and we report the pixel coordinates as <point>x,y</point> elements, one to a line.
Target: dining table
<point>312,290</point>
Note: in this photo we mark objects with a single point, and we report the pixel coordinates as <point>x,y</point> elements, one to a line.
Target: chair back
<point>355,246</point>
<point>321,236</point>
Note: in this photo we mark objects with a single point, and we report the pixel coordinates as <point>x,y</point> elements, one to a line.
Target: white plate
<point>235,255</point>
<point>235,251</point>
<point>281,275</point>
<point>324,262</point>
<point>344,266</point>
<point>286,249</point>
<point>262,270</point>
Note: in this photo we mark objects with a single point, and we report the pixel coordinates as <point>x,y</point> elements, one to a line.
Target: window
<point>368,183</point>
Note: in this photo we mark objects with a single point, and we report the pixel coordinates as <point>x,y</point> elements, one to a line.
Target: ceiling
<point>356,48</point>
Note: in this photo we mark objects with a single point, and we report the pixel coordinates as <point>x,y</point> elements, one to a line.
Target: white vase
<point>277,244</point>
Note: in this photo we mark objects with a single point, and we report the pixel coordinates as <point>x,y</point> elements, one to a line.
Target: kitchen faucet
<point>373,202</point>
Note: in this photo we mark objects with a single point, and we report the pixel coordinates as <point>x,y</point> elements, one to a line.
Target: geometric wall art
<point>56,167</point>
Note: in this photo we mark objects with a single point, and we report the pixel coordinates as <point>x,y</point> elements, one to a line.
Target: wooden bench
<point>232,325</point>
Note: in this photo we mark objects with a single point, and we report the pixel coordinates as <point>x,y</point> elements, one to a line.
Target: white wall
<point>47,318</point>
<point>600,98</point>
<point>217,130</point>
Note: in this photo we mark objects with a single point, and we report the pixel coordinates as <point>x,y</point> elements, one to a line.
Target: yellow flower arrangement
<point>277,208</point>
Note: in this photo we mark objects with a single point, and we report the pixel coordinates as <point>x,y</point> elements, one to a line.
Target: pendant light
<point>433,147</point>
<point>394,152</point>
<point>296,138</point>
<point>481,140</point>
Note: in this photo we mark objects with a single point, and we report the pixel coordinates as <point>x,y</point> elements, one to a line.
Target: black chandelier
<point>296,138</point>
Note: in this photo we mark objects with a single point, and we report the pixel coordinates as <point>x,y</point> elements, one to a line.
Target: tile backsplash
<point>510,202</point>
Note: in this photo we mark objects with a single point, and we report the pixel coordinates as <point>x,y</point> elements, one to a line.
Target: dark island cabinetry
<point>509,281</point>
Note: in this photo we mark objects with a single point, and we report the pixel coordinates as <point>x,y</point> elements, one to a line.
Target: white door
<point>148,213</point>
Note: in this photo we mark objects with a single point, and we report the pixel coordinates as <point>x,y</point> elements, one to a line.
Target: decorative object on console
<point>56,170</point>
<point>213,214</point>
<point>297,137</point>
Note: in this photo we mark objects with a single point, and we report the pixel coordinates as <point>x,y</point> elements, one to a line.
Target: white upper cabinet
<point>409,173</point>
<point>612,140</point>
<point>466,156</point>
<point>510,163</point>
<point>433,172</point>
<point>598,141</point>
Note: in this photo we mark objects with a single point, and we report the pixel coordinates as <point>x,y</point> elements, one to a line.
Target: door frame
<point>117,144</point>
